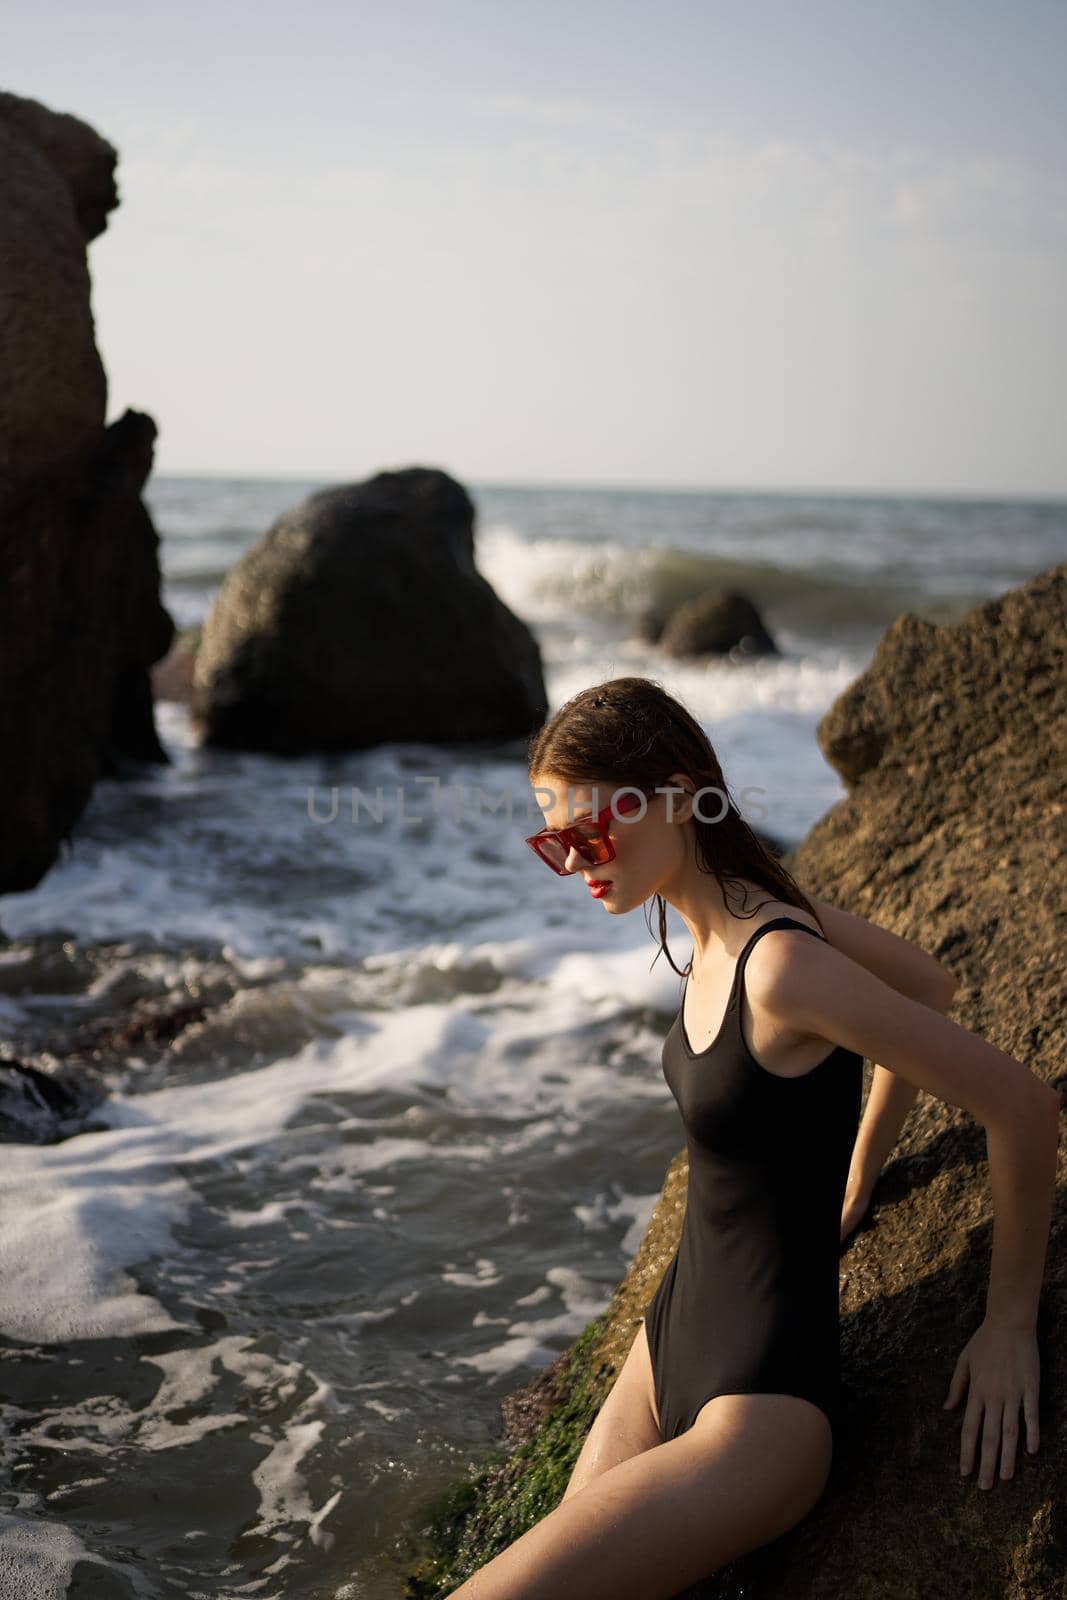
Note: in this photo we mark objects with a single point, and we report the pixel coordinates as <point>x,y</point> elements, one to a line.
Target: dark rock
<point>717,622</point>
<point>74,150</point>
<point>360,618</point>
<point>80,616</point>
<point>54,392</point>
<point>80,624</point>
<point>41,1107</point>
<point>952,834</point>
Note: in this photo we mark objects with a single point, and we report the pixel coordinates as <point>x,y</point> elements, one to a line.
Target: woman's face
<point>649,849</point>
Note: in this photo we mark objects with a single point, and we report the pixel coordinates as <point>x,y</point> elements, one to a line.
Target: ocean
<point>269,1300</point>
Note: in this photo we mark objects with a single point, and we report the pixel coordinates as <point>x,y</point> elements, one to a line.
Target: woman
<point>718,1432</point>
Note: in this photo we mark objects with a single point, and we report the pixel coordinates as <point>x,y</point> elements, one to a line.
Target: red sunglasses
<point>589,835</point>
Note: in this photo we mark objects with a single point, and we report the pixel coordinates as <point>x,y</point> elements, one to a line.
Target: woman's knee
<point>613,1438</point>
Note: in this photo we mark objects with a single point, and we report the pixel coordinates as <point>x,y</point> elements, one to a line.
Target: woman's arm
<point>912,971</point>
<point>813,987</point>
<point>889,1100</point>
<point>901,963</point>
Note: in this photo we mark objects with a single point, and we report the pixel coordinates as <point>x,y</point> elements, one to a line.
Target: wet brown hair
<point>630,731</point>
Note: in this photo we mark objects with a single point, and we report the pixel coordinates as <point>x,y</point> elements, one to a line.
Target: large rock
<point>952,833</point>
<point>80,617</point>
<point>360,618</point>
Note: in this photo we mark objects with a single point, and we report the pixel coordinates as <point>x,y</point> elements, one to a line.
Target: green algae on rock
<point>511,1490</point>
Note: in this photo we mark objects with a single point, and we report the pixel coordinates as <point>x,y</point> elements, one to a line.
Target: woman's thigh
<point>626,1423</point>
<point>803,1441</point>
<point>748,1470</point>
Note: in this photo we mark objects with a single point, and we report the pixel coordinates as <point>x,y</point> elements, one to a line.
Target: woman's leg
<point>750,1468</point>
<point>626,1423</point>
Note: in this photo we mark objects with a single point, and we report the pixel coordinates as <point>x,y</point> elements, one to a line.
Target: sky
<point>696,245</point>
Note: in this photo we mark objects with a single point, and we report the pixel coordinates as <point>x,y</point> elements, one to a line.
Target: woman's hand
<point>1000,1367</point>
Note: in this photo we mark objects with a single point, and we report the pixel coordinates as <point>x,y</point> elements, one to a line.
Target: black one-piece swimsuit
<point>749,1302</point>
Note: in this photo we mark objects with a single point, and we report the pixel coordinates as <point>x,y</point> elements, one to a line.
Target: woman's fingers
<point>991,1435</point>
<point>1009,1441</point>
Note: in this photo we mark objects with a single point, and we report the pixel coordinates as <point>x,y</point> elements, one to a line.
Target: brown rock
<point>952,834</point>
<point>953,745</point>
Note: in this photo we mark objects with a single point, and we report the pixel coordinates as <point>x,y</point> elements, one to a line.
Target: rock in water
<point>359,618</point>
<point>40,1107</point>
<point>717,622</point>
<point>80,615</point>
